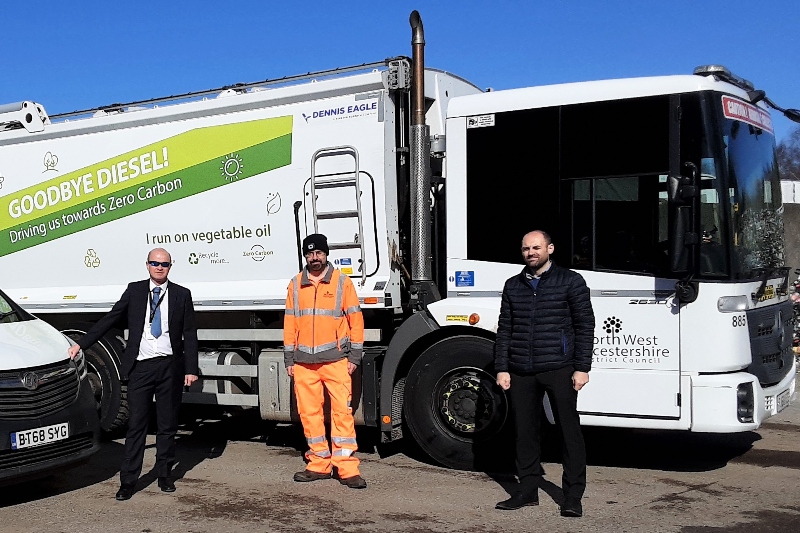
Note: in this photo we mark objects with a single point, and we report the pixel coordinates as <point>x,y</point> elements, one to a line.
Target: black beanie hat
<point>315,241</point>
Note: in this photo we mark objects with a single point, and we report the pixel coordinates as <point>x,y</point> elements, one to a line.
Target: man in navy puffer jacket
<point>544,344</point>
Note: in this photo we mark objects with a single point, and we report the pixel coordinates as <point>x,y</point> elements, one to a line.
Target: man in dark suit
<point>160,358</point>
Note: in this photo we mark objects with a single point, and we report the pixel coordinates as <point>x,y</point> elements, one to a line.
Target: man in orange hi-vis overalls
<point>323,338</point>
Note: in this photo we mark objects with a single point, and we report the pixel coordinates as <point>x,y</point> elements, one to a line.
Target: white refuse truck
<point>662,192</point>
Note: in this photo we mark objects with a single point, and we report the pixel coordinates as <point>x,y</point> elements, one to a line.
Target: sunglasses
<point>165,264</point>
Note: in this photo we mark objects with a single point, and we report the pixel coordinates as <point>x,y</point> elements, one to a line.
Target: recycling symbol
<point>91,260</point>
<point>193,259</point>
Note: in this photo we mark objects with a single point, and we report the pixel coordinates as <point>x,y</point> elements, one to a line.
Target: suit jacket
<point>132,307</point>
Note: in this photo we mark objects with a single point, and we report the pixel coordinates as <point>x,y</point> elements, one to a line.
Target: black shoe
<point>305,476</point>
<point>355,482</point>
<point>125,492</point>
<point>166,484</point>
<point>518,501</point>
<point>572,508</point>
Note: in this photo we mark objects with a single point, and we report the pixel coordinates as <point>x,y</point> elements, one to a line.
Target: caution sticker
<point>480,121</point>
<point>742,111</point>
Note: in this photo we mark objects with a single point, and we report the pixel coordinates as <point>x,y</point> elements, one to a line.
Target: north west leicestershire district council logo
<point>612,325</point>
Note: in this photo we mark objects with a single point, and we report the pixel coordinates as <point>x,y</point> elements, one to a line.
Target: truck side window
<point>512,183</point>
<point>620,224</point>
<point>614,159</point>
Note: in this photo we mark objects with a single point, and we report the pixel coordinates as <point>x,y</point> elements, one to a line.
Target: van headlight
<point>79,361</point>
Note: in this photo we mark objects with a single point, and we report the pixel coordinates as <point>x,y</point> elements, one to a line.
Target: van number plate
<point>39,436</point>
<point>783,400</point>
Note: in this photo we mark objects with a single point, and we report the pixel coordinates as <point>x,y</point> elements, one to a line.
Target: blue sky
<point>70,55</point>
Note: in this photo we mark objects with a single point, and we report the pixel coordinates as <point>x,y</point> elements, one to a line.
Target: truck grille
<point>770,331</point>
<point>39,391</point>
<point>772,358</point>
<point>39,454</point>
<point>764,330</point>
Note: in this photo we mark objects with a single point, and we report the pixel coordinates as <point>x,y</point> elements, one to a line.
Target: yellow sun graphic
<point>232,167</point>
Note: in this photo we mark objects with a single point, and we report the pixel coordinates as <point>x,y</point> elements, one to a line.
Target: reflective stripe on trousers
<point>310,383</point>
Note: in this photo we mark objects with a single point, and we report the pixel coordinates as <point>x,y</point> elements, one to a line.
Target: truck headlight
<point>79,361</point>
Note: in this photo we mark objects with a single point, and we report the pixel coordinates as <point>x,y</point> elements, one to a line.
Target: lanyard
<point>158,303</point>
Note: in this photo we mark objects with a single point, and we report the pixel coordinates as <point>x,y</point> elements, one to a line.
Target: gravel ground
<point>235,475</point>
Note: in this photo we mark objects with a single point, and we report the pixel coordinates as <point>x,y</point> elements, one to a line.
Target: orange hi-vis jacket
<point>323,321</point>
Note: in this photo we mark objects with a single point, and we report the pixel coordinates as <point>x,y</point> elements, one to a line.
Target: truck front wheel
<point>455,410</point>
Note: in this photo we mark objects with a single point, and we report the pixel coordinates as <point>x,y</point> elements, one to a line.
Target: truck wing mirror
<point>682,194</point>
<point>681,239</point>
<point>792,114</point>
<point>682,189</point>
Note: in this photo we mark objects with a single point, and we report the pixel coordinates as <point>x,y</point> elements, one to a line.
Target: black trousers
<point>527,396</point>
<point>160,377</point>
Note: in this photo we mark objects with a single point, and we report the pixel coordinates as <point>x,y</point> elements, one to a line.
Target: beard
<point>315,265</point>
<point>537,263</point>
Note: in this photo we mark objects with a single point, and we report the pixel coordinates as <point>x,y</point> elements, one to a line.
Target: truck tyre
<point>454,409</point>
<point>103,372</point>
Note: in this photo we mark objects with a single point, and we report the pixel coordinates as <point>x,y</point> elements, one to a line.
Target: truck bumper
<point>715,401</point>
<point>39,461</point>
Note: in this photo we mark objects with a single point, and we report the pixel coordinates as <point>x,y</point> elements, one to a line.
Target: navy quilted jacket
<point>546,329</point>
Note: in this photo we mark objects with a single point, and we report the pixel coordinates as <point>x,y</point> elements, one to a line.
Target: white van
<point>48,412</point>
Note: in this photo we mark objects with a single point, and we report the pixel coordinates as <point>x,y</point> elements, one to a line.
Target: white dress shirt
<point>151,346</point>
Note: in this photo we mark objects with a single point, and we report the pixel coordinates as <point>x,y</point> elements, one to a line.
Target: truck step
<point>344,245</point>
<point>337,214</point>
<point>334,183</point>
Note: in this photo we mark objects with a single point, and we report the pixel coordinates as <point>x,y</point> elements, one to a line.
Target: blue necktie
<point>155,326</point>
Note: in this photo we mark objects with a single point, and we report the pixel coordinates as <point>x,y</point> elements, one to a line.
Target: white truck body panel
<point>589,91</point>
<point>233,237</point>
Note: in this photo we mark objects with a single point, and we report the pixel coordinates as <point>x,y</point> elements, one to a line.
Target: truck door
<point>616,157</point>
<point>636,363</point>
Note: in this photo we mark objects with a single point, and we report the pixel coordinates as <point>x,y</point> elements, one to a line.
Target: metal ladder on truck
<point>339,180</point>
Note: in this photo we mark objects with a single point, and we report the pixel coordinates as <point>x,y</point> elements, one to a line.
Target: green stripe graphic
<point>144,195</point>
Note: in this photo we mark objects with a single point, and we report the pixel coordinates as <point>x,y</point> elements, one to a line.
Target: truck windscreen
<point>755,197</point>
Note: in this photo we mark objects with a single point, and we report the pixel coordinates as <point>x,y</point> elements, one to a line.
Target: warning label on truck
<point>744,112</point>
<point>177,167</point>
<point>480,121</point>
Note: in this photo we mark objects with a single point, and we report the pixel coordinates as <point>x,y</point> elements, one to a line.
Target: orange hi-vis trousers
<point>309,380</point>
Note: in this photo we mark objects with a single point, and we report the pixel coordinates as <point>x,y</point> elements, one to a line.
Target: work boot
<point>355,482</point>
<point>518,501</point>
<point>305,476</point>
